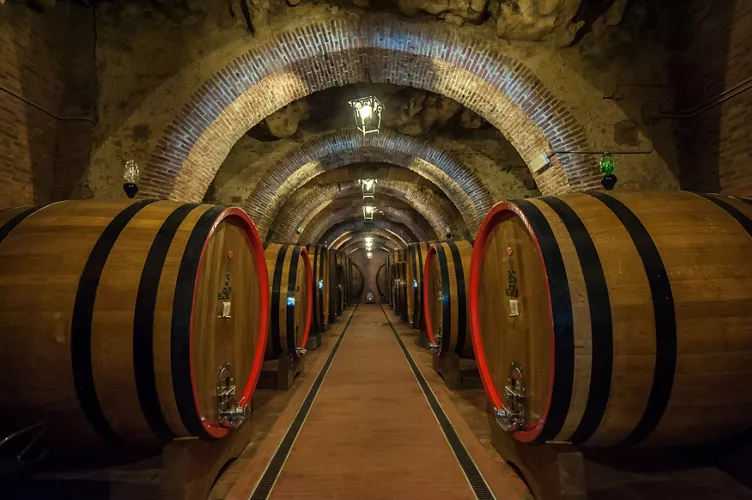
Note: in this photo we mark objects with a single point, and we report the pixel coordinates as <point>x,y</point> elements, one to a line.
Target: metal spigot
<point>301,350</point>
<point>229,413</point>
<point>232,417</point>
<point>508,420</point>
<point>434,348</point>
<point>511,415</point>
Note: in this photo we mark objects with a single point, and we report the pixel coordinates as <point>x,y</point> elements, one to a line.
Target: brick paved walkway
<point>370,433</point>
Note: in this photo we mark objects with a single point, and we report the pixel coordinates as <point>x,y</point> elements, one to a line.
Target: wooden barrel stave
<point>111,243</point>
<point>606,242</point>
<point>290,276</point>
<point>445,275</point>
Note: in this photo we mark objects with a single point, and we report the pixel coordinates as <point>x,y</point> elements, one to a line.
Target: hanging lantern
<point>367,114</point>
<point>368,211</point>
<point>368,186</point>
<point>131,176</point>
<point>607,166</point>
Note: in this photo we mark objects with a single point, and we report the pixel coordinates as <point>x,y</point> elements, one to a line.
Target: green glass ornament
<point>607,164</point>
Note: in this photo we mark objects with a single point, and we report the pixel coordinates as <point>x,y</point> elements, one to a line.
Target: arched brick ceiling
<point>337,149</point>
<point>359,242</point>
<point>318,54</point>
<point>310,200</point>
<point>380,171</point>
<point>346,238</point>
<point>319,225</point>
<point>401,232</point>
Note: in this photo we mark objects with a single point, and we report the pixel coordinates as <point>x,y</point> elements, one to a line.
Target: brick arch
<point>345,238</point>
<point>358,240</point>
<point>393,238</point>
<point>401,232</point>
<point>437,211</point>
<point>320,53</point>
<point>344,147</point>
<point>324,220</point>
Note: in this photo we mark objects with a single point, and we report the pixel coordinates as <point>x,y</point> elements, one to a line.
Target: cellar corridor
<point>370,432</point>
<point>395,249</point>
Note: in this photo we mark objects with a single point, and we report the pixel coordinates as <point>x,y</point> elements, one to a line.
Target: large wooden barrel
<point>445,306</point>
<point>416,256</point>
<point>123,321</point>
<point>399,282</point>
<point>319,256</point>
<point>358,282</point>
<point>348,283</point>
<point>381,282</point>
<point>291,299</point>
<point>620,319</point>
<point>402,290</point>
<point>337,294</point>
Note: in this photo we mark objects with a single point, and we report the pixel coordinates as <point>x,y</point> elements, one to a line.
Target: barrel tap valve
<point>511,415</point>
<point>301,350</point>
<point>435,347</point>
<point>229,413</point>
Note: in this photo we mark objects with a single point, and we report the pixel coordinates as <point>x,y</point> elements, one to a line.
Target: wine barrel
<point>291,299</point>
<point>358,281</point>
<point>616,319</point>
<point>381,282</point>
<point>445,284</point>
<point>348,282</point>
<point>319,256</point>
<point>399,279</point>
<point>416,256</point>
<point>335,288</point>
<point>402,290</point>
<point>123,321</point>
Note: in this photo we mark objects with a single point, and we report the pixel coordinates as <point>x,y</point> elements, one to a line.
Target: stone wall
<point>47,92</point>
<point>714,119</point>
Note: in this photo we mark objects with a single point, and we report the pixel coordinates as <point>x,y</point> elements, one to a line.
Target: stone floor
<point>370,432</point>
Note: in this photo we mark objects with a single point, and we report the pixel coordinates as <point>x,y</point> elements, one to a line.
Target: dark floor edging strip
<point>264,487</point>
<point>473,475</point>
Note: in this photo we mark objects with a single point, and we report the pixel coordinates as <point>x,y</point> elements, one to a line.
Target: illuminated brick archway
<point>292,64</point>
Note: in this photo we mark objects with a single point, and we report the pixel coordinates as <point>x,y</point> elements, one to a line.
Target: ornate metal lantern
<point>368,186</point>
<point>367,114</point>
<point>368,211</point>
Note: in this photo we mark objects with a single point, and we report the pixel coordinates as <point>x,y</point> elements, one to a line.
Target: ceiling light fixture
<point>367,114</point>
<point>368,186</point>
<point>368,211</point>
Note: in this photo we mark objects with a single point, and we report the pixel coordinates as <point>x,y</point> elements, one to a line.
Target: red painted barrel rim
<point>426,279</point>
<point>309,299</point>
<point>257,249</point>
<point>499,213</point>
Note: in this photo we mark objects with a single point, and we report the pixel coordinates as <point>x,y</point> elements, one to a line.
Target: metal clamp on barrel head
<point>229,413</point>
<point>511,415</point>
